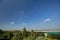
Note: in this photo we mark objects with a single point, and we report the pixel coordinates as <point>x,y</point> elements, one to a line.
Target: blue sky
<point>32,14</point>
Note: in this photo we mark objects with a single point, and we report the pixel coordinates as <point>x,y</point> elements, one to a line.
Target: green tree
<point>1,31</point>
<point>24,33</point>
<point>32,36</point>
<point>17,36</point>
<point>5,35</point>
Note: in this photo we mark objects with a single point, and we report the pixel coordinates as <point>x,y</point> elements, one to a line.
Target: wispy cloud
<point>21,14</point>
<point>12,22</point>
<point>46,20</point>
<point>24,24</point>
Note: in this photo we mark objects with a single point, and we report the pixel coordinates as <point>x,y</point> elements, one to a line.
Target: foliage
<point>1,31</point>
<point>5,35</point>
<point>54,36</point>
<point>17,36</point>
<point>33,35</point>
<point>25,35</point>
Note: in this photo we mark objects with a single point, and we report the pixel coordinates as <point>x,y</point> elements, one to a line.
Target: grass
<point>44,38</point>
<point>41,38</point>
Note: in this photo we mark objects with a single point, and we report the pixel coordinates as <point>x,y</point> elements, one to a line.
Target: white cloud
<point>12,22</point>
<point>46,20</point>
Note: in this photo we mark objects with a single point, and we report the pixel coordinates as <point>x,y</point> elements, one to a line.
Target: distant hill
<point>48,30</point>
